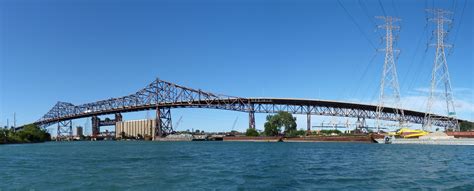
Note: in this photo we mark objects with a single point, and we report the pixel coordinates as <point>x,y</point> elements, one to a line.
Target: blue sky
<point>81,51</point>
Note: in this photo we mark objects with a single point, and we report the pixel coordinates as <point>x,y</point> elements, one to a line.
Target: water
<point>233,166</point>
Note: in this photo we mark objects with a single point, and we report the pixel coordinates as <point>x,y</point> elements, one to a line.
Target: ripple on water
<point>235,166</point>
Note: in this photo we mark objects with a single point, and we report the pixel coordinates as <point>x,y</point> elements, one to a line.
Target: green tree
<point>276,122</point>
<point>3,136</point>
<point>251,132</point>
<point>295,133</point>
<point>466,126</point>
<point>33,134</point>
<point>329,132</point>
<point>271,129</point>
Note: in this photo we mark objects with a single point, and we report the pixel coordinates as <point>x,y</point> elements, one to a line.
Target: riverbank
<point>342,138</point>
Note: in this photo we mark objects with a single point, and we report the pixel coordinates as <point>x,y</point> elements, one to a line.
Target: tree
<point>28,134</point>
<point>33,134</point>
<point>276,122</point>
<point>271,129</point>
<point>251,132</point>
<point>3,136</point>
<point>330,132</point>
<point>295,133</point>
<point>123,135</point>
<point>466,126</point>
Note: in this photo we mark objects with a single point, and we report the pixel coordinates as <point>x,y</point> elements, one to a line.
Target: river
<point>137,165</point>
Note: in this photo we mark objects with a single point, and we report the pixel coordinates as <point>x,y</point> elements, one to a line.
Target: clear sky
<point>81,51</point>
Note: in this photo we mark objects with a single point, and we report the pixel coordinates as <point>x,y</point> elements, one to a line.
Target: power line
<point>366,11</point>
<point>395,8</point>
<point>454,6</point>
<point>357,24</point>
<point>360,30</point>
<point>459,26</point>
<point>383,9</point>
<point>365,72</point>
<point>420,38</point>
<point>421,63</point>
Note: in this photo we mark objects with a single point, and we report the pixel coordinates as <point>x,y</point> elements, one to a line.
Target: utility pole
<point>389,87</point>
<point>440,75</point>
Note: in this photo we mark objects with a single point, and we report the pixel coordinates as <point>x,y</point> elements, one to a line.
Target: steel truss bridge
<point>161,96</point>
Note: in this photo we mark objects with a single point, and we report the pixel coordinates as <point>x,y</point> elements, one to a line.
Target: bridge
<point>162,96</point>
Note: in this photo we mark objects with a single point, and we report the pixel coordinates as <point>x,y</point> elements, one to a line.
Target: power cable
<point>395,8</point>
<point>420,38</point>
<point>459,26</point>
<point>365,72</point>
<point>383,9</point>
<point>357,24</point>
<point>366,11</point>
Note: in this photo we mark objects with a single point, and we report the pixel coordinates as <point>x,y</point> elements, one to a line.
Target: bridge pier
<point>308,123</point>
<point>97,123</point>
<point>64,130</point>
<point>163,125</point>
<point>95,126</point>
<point>361,124</point>
<point>251,117</point>
<point>251,120</point>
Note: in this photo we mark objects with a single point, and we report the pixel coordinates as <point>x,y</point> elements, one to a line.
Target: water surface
<point>233,165</point>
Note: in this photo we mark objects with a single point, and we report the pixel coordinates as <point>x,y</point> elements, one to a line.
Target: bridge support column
<point>163,125</point>
<point>118,117</point>
<point>251,120</point>
<point>251,117</point>
<point>97,123</point>
<point>308,123</point>
<point>64,130</point>
<point>95,126</point>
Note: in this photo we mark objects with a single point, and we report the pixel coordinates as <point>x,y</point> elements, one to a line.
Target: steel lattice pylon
<point>389,87</point>
<point>64,131</point>
<point>440,75</point>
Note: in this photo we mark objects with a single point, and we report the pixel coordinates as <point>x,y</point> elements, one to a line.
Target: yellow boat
<point>408,133</point>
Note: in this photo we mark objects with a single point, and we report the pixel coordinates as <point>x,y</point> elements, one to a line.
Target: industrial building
<point>79,131</point>
<point>135,128</point>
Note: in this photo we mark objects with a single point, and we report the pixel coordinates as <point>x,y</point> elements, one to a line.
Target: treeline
<point>29,134</point>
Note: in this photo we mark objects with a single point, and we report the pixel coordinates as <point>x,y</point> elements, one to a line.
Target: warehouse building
<point>135,128</point>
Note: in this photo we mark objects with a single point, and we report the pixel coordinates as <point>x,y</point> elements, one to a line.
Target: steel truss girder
<point>168,95</point>
<point>154,94</point>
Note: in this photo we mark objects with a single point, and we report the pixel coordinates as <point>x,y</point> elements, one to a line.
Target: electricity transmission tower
<point>440,81</point>
<point>389,88</point>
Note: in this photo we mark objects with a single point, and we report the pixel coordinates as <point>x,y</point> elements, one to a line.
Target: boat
<point>408,133</point>
<point>411,136</point>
